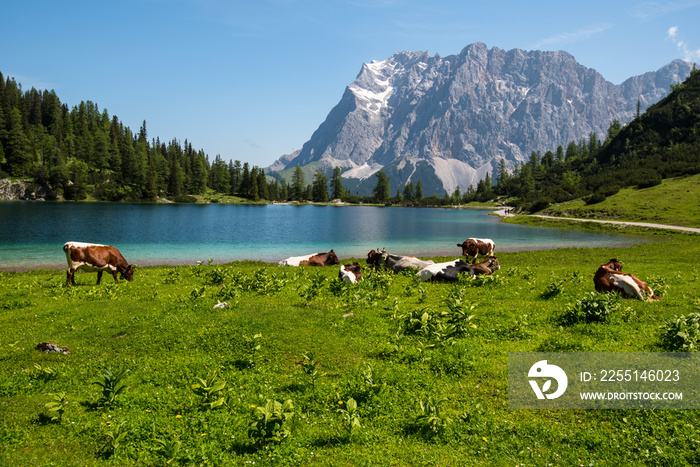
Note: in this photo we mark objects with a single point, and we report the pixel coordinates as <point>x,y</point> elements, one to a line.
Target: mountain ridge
<point>449,120</point>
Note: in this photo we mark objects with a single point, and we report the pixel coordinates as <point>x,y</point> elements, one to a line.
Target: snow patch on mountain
<point>363,171</point>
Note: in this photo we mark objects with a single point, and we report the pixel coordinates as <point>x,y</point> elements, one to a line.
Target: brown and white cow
<point>91,257</point>
<point>350,273</point>
<point>487,267</point>
<point>610,278</point>
<point>316,259</point>
<point>477,246</point>
<point>396,263</point>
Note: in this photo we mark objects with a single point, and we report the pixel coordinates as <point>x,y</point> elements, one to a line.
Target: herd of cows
<point>608,278</point>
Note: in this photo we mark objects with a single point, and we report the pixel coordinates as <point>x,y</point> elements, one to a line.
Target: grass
<point>196,378</point>
<point>675,201</point>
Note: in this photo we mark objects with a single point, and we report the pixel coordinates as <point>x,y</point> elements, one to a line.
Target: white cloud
<point>574,36</point>
<point>689,55</point>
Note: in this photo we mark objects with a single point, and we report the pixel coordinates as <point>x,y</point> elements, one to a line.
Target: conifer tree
<point>298,184</point>
<point>319,188</point>
<point>337,189</point>
<point>382,190</point>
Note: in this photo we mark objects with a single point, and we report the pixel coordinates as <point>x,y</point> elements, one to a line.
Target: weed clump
<point>681,334</point>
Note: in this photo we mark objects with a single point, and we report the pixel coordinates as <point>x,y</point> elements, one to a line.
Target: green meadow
<point>676,201</point>
<point>301,368</point>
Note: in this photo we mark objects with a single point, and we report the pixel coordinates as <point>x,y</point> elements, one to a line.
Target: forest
<point>82,152</point>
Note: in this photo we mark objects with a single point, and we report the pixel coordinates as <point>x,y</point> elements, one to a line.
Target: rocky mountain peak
<point>450,120</point>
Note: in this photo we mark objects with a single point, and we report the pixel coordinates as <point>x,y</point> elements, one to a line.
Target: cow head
<point>614,264</point>
<point>494,265</point>
<point>128,273</point>
<point>469,247</point>
<point>332,258</point>
<point>373,257</point>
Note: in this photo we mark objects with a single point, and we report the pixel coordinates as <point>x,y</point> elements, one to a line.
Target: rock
<point>48,347</point>
<point>12,191</point>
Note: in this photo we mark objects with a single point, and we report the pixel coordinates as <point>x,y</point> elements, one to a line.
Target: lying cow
<point>396,263</point>
<point>448,272</point>
<point>610,278</point>
<point>487,267</point>
<point>350,273</point>
<point>91,257</point>
<point>477,246</point>
<point>317,259</point>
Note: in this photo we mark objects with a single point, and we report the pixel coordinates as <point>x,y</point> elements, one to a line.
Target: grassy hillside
<point>676,201</point>
<point>381,343</point>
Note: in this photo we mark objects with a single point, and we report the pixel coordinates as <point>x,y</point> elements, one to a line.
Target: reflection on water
<point>33,233</point>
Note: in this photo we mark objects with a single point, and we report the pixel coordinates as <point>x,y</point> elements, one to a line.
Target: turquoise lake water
<point>32,233</point>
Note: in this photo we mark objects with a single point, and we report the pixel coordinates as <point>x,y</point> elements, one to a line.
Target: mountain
<point>448,121</point>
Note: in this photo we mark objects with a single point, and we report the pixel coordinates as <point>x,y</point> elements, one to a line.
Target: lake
<point>33,233</point>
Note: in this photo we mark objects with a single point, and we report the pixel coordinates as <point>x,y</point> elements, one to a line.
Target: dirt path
<point>502,213</point>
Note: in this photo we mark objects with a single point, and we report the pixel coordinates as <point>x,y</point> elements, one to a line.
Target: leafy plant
<point>210,391</point>
<point>57,406</point>
<point>218,275</point>
<point>553,289</point>
<point>310,366</point>
<point>271,423</point>
<point>681,333</point>
<point>350,416</point>
<point>593,307</point>
<point>265,283</point>
<point>252,346</point>
<point>45,373</point>
<point>370,380</point>
<point>458,313</point>
<point>429,420</point>
<point>113,440</point>
<point>312,290</point>
<point>198,292</point>
<point>169,448</point>
<point>112,385</point>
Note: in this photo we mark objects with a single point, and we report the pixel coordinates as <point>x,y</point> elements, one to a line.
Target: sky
<point>251,80</point>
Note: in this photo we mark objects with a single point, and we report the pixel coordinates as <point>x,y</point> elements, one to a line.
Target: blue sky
<point>252,80</point>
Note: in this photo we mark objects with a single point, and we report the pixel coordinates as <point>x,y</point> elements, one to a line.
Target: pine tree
<point>419,191</point>
<point>319,188</point>
<point>336,184</point>
<point>298,184</point>
<point>17,150</point>
<point>382,190</point>
<point>263,192</point>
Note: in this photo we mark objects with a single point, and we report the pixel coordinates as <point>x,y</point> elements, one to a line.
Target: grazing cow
<point>487,267</point>
<point>350,273</point>
<point>396,263</point>
<point>610,278</point>
<point>477,246</point>
<point>91,257</point>
<point>317,259</point>
<point>448,272</point>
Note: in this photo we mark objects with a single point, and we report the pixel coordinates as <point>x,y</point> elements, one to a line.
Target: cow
<point>92,257</point>
<point>610,278</point>
<point>487,267</point>
<point>350,273</point>
<point>317,259</point>
<point>448,272</point>
<point>477,246</point>
<point>396,263</point>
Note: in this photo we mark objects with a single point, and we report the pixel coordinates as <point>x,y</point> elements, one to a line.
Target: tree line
<point>82,151</point>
